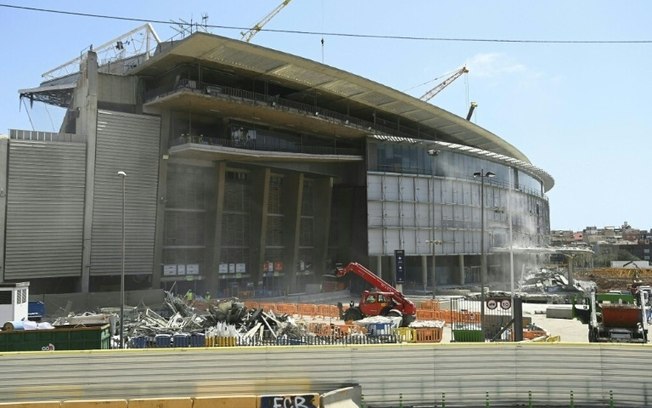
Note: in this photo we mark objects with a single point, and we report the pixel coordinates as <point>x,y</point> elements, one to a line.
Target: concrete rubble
<point>229,322</point>
<point>550,286</point>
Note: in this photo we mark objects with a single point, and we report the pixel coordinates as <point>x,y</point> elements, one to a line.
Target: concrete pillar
<point>87,126</point>
<point>293,200</point>
<point>461,278</point>
<point>260,191</point>
<point>216,253</point>
<point>424,272</point>
<point>4,170</point>
<point>323,191</point>
<point>166,120</point>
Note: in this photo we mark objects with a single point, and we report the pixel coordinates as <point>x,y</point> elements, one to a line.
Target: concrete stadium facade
<point>249,169</point>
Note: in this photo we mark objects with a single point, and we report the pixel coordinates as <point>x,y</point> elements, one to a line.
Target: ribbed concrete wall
<point>465,374</point>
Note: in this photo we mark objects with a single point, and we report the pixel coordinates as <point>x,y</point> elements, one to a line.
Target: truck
<point>616,316</point>
<point>382,300</point>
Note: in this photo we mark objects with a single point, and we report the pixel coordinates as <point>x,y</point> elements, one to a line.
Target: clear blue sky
<point>578,111</point>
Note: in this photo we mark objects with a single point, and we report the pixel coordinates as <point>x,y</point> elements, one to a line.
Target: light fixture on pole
<point>432,240</point>
<point>483,254</point>
<point>122,272</point>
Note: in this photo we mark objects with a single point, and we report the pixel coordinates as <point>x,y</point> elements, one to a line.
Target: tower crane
<point>434,91</point>
<point>248,35</point>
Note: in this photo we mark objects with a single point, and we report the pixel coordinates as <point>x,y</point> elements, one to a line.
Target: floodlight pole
<point>122,272</point>
<point>433,153</point>
<point>483,254</point>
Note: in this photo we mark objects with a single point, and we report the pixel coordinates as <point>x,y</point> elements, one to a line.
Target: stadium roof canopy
<point>362,97</point>
<point>328,82</point>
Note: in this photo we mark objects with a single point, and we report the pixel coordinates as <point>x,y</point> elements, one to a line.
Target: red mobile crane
<point>384,300</point>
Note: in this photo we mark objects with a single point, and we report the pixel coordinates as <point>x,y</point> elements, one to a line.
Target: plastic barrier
<point>533,334</point>
<point>138,342</point>
<point>425,314</point>
<point>268,307</point>
<point>250,304</point>
<point>429,334</point>
<point>163,340</point>
<point>429,304</point>
<point>406,334</point>
<point>287,308</point>
<point>197,340</point>
<point>217,341</point>
<point>181,340</point>
<point>307,309</point>
<point>379,329</point>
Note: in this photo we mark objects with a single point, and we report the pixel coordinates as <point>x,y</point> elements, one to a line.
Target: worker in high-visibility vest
<point>189,296</point>
<point>207,296</point>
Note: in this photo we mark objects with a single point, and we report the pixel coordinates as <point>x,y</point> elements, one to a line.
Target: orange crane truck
<point>383,300</point>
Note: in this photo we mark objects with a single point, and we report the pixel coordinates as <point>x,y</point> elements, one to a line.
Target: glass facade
<point>414,159</point>
<point>415,199</point>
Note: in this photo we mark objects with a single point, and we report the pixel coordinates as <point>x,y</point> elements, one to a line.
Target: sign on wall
<point>169,270</point>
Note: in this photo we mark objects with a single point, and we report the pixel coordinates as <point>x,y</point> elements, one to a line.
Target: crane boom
<point>434,91</point>
<point>248,35</point>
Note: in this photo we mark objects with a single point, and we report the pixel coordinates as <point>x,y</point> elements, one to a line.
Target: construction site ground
<point>607,279</point>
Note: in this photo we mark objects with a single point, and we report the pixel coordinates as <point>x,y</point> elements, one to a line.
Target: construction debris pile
<point>608,279</point>
<point>549,286</point>
<point>229,322</point>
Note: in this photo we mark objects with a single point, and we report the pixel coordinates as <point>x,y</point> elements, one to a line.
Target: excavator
<point>383,300</point>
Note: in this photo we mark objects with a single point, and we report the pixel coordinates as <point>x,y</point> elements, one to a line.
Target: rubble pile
<point>229,322</point>
<point>607,279</point>
<point>222,318</point>
<point>551,286</point>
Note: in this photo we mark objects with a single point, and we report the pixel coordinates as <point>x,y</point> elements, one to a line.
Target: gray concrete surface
<point>569,330</point>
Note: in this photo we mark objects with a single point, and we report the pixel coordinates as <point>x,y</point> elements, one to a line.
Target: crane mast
<point>248,35</point>
<point>434,91</point>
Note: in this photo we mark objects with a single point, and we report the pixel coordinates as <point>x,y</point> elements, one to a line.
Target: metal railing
<point>36,136</point>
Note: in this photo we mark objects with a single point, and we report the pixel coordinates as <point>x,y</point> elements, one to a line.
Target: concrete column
<point>260,191</point>
<point>323,190</point>
<point>293,199</point>
<point>424,272</point>
<point>87,126</point>
<point>461,278</point>
<point>4,170</point>
<point>215,256</point>
<point>162,199</point>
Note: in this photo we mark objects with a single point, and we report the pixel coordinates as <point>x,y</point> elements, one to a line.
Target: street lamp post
<point>483,254</point>
<point>433,242</point>
<point>511,240</point>
<point>123,175</point>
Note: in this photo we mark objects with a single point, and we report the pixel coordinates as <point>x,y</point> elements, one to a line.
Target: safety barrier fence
<point>323,334</point>
<point>427,310</point>
<point>464,374</point>
<point>343,334</point>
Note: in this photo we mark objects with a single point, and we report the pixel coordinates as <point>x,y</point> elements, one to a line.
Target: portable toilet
<point>14,301</point>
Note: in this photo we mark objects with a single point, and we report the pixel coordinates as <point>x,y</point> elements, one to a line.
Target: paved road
<point>569,330</point>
